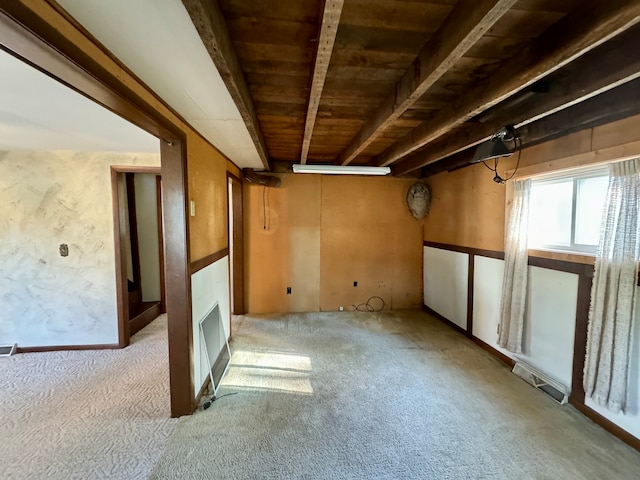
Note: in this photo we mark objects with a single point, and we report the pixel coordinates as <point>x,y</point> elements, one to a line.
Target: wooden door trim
<point>236,261</point>
<point>133,232</point>
<point>41,42</point>
<point>122,303</point>
<point>119,239</point>
<point>163,293</point>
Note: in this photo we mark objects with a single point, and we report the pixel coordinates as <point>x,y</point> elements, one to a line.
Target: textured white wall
<point>46,199</point>
<point>208,286</point>
<point>445,276</point>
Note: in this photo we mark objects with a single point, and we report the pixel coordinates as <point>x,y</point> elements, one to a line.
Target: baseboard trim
<point>510,362</point>
<point>594,416</point>
<point>62,348</point>
<point>607,424</point>
<point>443,319</point>
<point>501,356</point>
<point>145,318</point>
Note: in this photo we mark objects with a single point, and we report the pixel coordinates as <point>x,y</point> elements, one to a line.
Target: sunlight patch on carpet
<point>280,372</point>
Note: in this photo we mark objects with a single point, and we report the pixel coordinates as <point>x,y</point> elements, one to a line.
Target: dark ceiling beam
<point>610,65</point>
<point>621,102</point>
<point>468,21</point>
<point>611,106</point>
<point>326,39</point>
<point>591,24</point>
<point>210,24</point>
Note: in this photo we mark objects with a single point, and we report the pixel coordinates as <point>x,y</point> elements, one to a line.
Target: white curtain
<point>514,281</point>
<point>606,370</point>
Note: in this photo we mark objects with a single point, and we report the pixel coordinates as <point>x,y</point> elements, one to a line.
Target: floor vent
<point>8,350</point>
<point>541,381</point>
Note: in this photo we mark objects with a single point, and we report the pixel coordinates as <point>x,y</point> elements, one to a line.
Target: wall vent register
<point>541,381</point>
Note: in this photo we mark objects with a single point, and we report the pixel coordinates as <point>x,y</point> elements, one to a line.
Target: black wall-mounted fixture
<point>503,143</point>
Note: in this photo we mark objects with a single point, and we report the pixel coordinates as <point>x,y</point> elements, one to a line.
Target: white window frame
<point>574,175</point>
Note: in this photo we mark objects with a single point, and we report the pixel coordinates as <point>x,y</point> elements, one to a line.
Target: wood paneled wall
<point>320,234</point>
<point>205,163</point>
<point>468,208</point>
<point>207,174</point>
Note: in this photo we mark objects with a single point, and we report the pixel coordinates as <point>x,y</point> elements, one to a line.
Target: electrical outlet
<point>288,290</point>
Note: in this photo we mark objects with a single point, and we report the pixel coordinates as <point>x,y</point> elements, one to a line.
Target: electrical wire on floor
<point>214,398</point>
<point>367,307</point>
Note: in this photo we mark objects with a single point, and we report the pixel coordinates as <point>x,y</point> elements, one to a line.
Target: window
<point>565,210</point>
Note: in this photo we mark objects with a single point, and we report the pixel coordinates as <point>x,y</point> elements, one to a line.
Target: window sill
<point>564,255</point>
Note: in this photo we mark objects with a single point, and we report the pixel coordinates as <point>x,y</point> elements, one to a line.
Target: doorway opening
<point>52,53</point>
<point>138,232</point>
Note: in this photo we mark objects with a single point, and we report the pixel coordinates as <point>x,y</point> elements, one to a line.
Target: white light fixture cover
<point>341,169</point>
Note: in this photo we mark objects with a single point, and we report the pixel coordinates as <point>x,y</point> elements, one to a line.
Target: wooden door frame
<point>35,35</point>
<point>236,239</point>
<point>119,240</point>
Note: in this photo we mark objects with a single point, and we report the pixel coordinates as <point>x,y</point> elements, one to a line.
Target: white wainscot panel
<point>630,421</point>
<point>487,290</point>
<point>550,322</point>
<point>445,280</point>
<point>208,286</point>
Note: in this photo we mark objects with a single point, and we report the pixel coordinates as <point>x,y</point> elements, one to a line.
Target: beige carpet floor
<point>395,395</point>
<point>86,414</point>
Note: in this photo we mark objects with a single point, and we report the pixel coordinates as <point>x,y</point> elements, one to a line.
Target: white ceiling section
<point>39,113</point>
<point>158,42</point>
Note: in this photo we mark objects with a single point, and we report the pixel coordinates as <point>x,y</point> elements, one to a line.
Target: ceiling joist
<point>210,23</point>
<point>573,36</point>
<point>613,105</point>
<point>326,40</point>
<point>464,26</point>
<point>618,62</point>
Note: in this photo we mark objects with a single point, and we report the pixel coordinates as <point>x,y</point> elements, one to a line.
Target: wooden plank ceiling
<point>416,84</point>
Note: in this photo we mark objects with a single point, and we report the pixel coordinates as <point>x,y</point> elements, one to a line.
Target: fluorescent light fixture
<point>341,169</point>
